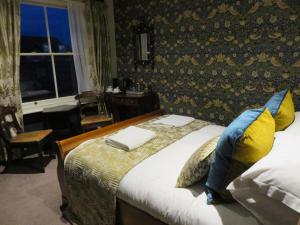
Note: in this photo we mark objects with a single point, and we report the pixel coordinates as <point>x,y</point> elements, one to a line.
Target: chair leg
<point>54,149</point>
<point>41,159</point>
<point>52,152</point>
<point>9,155</point>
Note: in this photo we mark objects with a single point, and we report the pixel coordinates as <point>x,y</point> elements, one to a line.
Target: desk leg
<point>116,113</point>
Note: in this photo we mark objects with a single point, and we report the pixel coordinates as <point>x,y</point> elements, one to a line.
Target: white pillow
<point>273,181</point>
<point>267,210</point>
<point>294,128</point>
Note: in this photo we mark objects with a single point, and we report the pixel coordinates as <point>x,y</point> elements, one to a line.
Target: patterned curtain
<point>10,57</point>
<point>99,44</point>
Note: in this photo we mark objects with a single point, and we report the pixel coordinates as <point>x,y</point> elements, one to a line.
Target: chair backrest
<point>9,125</point>
<point>91,102</point>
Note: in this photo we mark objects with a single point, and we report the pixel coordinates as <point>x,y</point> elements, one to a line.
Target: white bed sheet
<point>150,186</point>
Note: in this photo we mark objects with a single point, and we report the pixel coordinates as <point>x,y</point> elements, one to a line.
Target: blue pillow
<point>282,107</point>
<point>274,103</point>
<point>246,140</point>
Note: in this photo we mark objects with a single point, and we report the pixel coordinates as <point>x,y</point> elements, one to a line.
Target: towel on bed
<point>175,120</point>
<point>130,138</point>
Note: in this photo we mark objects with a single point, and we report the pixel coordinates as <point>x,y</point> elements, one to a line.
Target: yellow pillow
<point>245,141</point>
<point>257,140</point>
<point>286,113</point>
<point>282,108</point>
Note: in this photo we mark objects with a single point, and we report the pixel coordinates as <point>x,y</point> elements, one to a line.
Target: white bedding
<point>150,186</point>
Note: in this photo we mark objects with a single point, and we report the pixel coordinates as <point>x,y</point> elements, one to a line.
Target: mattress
<point>150,186</point>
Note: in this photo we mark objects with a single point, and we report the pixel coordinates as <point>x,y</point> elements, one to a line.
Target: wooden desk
<point>64,120</point>
<point>124,106</point>
<point>60,109</point>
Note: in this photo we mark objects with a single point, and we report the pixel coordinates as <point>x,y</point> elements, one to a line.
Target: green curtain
<point>99,44</point>
<point>10,58</point>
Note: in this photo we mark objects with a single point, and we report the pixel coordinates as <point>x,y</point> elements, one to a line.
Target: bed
<point>147,193</point>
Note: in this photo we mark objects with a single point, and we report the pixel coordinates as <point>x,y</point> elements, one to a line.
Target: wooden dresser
<point>124,106</point>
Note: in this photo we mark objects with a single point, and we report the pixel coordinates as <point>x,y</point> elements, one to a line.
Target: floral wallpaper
<point>213,58</point>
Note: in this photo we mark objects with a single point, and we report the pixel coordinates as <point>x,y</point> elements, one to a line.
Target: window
<point>46,66</point>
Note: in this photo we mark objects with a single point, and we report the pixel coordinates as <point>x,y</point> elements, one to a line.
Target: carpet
<point>28,197</point>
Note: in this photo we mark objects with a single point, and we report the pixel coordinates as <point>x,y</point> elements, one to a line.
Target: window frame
<point>39,105</point>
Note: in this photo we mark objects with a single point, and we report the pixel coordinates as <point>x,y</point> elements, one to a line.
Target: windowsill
<point>38,106</point>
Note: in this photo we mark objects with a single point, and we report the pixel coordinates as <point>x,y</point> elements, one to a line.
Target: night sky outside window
<point>46,65</point>
<point>59,30</point>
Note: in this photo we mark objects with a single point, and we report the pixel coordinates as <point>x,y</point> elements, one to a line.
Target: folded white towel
<point>130,138</point>
<point>175,120</point>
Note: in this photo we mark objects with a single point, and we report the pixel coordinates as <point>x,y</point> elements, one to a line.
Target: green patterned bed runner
<point>94,170</point>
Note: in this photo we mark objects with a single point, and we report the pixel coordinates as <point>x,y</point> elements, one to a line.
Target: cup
<point>116,90</point>
<point>109,89</point>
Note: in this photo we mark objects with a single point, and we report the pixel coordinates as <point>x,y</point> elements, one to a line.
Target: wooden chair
<point>13,136</point>
<point>93,111</point>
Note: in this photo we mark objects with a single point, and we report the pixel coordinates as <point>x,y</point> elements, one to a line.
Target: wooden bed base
<point>126,214</point>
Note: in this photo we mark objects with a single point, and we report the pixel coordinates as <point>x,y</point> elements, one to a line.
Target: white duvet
<point>150,186</point>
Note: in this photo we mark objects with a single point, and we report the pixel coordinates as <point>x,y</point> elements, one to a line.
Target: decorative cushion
<point>273,182</point>
<point>198,164</point>
<point>246,140</point>
<point>282,108</point>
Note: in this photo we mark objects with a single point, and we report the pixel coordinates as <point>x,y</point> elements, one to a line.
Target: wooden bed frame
<point>126,213</point>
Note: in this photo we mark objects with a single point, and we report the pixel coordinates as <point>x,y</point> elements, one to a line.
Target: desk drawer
<point>125,101</point>
<point>124,106</point>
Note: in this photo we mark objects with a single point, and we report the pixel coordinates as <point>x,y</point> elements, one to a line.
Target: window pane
<point>65,76</point>
<point>59,30</point>
<point>33,29</point>
<point>36,78</point>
